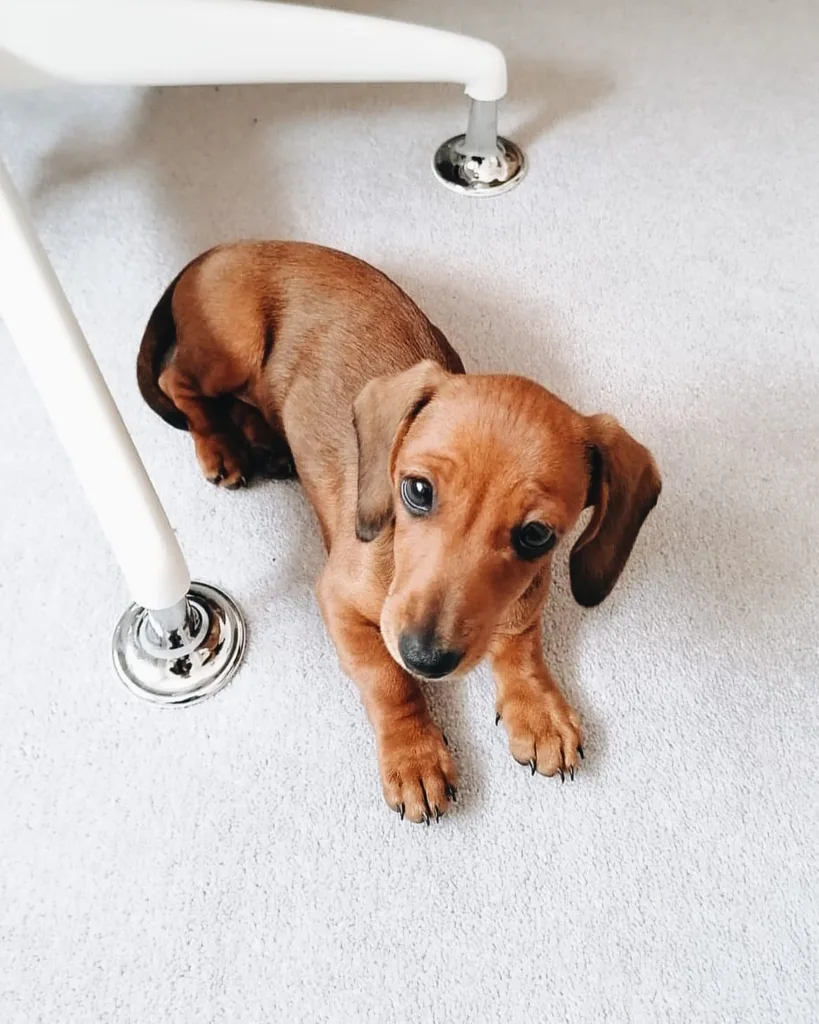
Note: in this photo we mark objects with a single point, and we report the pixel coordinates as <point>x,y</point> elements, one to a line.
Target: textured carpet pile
<point>235,862</point>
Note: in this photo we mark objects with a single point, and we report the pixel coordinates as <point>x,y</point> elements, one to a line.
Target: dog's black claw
<point>533,766</point>
<point>451,792</point>
<point>437,813</point>
<point>497,717</point>
<point>401,811</point>
<point>444,738</point>
<point>428,812</point>
<point>562,775</point>
<point>215,480</point>
<point>582,755</point>
<point>571,773</point>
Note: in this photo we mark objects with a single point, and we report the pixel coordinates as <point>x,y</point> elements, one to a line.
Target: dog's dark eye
<point>417,494</point>
<point>531,540</point>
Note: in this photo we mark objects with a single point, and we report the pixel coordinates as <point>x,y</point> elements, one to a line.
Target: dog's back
<point>292,330</point>
<point>277,313</point>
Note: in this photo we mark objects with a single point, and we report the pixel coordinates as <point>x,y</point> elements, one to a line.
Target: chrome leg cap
<point>182,666</point>
<point>473,175</point>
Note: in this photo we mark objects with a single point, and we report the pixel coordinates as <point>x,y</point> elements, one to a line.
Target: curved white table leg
<point>64,372</point>
<point>200,42</point>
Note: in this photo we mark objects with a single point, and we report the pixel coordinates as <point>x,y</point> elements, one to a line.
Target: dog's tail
<point>157,341</point>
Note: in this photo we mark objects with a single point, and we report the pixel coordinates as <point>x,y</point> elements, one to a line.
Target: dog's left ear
<point>382,415</point>
<point>624,485</point>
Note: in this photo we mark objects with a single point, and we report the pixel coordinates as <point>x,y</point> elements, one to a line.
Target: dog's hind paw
<point>273,463</point>
<point>223,462</point>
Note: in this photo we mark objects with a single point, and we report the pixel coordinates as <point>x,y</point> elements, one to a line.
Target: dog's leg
<point>220,445</point>
<point>543,730</point>
<point>270,453</point>
<point>418,773</point>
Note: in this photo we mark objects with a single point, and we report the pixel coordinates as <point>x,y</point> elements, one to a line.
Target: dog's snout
<point>424,655</point>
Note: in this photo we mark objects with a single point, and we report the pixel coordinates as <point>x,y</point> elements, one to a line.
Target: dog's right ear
<point>382,415</point>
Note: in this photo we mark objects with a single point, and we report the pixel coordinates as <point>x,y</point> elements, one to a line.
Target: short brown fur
<point>284,358</point>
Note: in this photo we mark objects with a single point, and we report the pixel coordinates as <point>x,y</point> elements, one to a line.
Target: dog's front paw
<point>417,770</point>
<point>544,732</point>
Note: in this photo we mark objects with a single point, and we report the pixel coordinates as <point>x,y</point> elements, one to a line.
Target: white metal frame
<point>201,42</point>
<point>64,372</point>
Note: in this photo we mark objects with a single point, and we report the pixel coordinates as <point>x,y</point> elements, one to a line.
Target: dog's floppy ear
<point>624,485</point>
<point>382,414</point>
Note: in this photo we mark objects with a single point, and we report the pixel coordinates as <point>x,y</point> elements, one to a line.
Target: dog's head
<point>482,476</point>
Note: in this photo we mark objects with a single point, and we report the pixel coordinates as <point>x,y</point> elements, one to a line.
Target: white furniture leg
<point>197,42</point>
<point>165,645</point>
<point>201,42</point>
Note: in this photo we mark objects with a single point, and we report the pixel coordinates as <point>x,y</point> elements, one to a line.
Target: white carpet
<point>235,862</point>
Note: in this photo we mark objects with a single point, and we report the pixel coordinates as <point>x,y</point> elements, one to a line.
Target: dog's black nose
<point>422,654</point>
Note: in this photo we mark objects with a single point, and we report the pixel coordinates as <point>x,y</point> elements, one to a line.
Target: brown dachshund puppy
<point>441,496</point>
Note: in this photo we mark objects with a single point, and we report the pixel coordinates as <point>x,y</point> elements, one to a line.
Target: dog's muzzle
<point>424,656</point>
